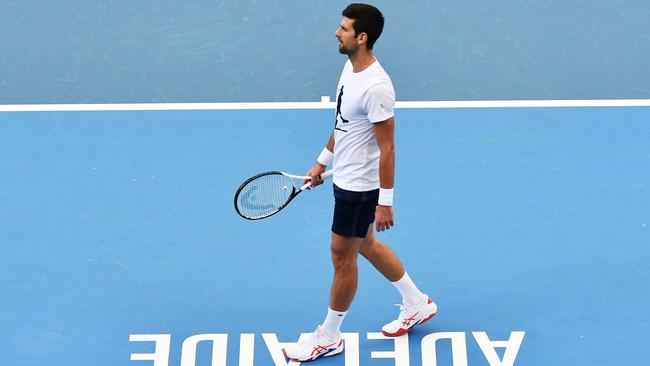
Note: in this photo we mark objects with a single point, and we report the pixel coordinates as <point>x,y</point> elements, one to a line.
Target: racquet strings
<point>264,195</point>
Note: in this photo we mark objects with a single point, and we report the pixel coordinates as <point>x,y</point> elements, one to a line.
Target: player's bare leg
<point>326,340</point>
<point>416,308</point>
<point>382,257</point>
<point>345,251</point>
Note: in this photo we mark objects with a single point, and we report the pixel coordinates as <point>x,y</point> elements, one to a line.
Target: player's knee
<point>343,259</point>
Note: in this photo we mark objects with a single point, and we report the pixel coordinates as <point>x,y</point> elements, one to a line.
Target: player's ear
<point>362,38</point>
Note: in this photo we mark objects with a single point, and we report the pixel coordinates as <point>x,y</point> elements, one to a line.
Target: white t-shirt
<point>362,99</point>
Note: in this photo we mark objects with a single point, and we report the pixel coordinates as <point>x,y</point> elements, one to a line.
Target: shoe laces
<point>317,333</point>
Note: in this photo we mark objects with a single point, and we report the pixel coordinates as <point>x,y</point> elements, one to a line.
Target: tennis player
<point>361,148</point>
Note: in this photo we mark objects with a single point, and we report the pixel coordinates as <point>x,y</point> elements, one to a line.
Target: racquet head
<point>264,195</point>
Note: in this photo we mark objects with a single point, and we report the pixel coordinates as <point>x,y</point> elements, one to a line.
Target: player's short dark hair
<point>367,19</point>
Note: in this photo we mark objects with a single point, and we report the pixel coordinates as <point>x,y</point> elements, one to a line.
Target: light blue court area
<point>530,223</point>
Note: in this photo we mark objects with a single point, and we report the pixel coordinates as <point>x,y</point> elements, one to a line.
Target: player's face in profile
<point>348,44</point>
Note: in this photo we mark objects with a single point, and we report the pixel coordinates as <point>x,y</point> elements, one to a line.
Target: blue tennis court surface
<point>120,225</point>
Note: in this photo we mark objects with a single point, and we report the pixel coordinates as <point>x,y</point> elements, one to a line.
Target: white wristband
<point>386,197</point>
<point>325,157</point>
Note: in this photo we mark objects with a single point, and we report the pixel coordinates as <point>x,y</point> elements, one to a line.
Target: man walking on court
<point>362,150</point>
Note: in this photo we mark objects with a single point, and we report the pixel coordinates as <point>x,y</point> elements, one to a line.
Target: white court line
<point>325,103</point>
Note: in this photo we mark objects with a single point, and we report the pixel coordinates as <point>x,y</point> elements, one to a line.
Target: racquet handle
<point>327,174</point>
<point>323,176</point>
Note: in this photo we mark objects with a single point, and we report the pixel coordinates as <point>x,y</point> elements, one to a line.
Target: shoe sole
<point>334,352</point>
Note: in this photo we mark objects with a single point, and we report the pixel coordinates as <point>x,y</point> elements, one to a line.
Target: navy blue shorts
<point>354,212</point>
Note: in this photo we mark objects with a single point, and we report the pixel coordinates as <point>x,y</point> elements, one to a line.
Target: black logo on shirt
<point>338,111</point>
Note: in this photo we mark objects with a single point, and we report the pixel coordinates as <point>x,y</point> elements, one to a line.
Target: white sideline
<point>325,103</point>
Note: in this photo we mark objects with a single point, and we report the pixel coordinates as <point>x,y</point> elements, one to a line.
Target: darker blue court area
<point>146,51</point>
<point>122,223</point>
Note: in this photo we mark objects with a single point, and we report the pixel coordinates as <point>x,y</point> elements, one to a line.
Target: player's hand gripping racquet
<point>265,194</point>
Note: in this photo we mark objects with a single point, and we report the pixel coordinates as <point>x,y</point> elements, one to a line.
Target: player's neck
<point>361,60</point>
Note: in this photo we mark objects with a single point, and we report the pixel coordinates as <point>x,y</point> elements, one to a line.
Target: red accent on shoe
<point>406,322</point>
<point>400,331</point>
<point>430,316</point>
<point>318,349</point>
<point>427,318</point>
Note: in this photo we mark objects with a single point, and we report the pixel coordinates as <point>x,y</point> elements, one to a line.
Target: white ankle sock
<point>408,290</point>
<point>332,324</point>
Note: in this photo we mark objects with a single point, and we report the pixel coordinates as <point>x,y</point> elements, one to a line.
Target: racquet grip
<point>325,175</point>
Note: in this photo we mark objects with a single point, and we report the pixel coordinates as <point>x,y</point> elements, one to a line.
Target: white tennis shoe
<point>410,316</point>
<point>314,346</point>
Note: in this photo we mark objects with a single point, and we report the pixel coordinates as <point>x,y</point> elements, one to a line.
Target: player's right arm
<point>323,160</point>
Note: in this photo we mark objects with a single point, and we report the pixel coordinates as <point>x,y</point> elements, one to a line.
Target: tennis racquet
<point>265,194</point>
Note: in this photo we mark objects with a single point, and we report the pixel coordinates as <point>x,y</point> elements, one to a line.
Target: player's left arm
<point>385,135</point>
